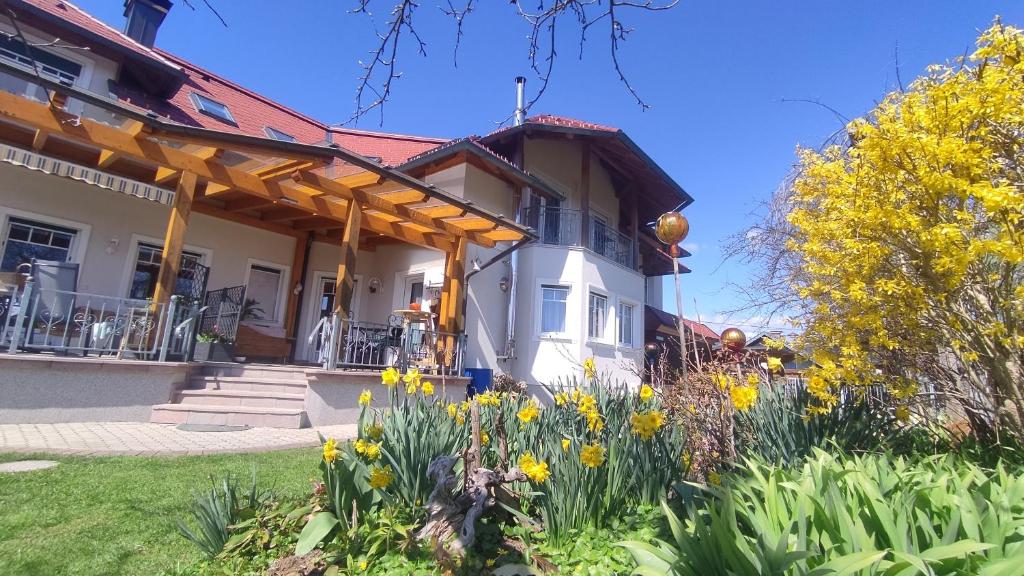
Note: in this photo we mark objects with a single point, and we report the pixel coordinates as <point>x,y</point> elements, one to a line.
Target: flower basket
<point>213,352</point>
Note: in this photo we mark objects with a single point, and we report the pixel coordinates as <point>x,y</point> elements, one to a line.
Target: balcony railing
<point>375,346</point>
<point>562,227</point>
<point>78,323</point>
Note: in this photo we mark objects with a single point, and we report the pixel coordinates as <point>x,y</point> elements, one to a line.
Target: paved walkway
<point>144,439</point>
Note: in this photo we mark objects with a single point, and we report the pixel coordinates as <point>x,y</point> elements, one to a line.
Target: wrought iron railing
<point>611,243</point>
<point>79,323</point>
<point>344,344</point>
<point>555,226</point>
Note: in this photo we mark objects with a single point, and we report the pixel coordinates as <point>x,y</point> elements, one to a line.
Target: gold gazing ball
<point>734,339</point>
<point>672,227</point>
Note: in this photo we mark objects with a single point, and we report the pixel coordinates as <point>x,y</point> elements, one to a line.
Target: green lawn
<point>116,515</point>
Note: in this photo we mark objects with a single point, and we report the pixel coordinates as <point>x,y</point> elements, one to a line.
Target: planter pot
<point>213,352</point>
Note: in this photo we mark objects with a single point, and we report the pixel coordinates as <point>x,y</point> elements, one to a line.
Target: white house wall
<point>111,215</point>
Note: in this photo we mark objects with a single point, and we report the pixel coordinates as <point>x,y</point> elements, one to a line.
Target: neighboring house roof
<point>656,317</point>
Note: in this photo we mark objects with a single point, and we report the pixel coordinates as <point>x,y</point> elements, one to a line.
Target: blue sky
<point>714,71</point>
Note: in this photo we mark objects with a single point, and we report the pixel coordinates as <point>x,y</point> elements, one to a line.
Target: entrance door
<point>413,290</point>
<point>323,307</point>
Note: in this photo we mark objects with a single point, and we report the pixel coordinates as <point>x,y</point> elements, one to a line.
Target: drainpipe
<point>511,250</point>
<point>513,262</point>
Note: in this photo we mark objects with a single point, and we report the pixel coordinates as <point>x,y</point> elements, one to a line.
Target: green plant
<point>779,427</point>
<point>216,509</point>
<point>875,514</point>
<point>250,310</point>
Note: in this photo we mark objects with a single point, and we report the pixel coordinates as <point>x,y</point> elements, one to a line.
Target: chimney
<point>520,115</point>
<point>143,19</point>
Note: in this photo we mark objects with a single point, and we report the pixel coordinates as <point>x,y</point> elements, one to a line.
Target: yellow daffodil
<point>412,377</point>
<point>589,369</point>
<point>743,397</point>
<point>645,424</point>
<point>331,450</point>
<point>374,431</point>
<point>381,477</point>
<point>453,409</point>
<point>561,399</point>
<point>535,470</point>
<point>428,388</point>
<point>646,393</point>
<point>753,379</point>
<point>485,438</point>
<point>529,412</point>
<point>565,444</point>
<point>365,398</point>
<point>722,380</point>
<point>372,451</point>
<point>360,446</point>
<point>592,455</point>
<point>390,377</point>
<point>488,398</point>
<point>775,364</point>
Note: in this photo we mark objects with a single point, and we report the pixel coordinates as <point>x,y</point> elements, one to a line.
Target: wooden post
<point>454,290</point>
<point>174,238</point>
<point>585,196</point>
<point>347,265</point>
<point>298,265</point>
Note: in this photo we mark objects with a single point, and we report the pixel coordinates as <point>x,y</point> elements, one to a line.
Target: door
<point>322,308</point>
<point>413,291</point>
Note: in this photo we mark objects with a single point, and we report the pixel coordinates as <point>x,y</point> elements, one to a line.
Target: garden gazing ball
<point>672,228</point>
<point>734,339</point>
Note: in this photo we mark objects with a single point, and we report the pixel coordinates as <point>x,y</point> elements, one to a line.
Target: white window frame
<point>279,135</point>
<point>567,335</point>
<point>133,256</point>
<point>197,101</point>
<point>632,329</point>
<point>79,246</point>
<point>283,290</point>
<point>84,79</point>
<point>608,323</point>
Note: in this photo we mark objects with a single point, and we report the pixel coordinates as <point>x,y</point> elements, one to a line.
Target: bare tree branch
<point>210,8</point>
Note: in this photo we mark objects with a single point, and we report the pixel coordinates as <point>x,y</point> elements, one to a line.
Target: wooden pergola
<point>285,187</point>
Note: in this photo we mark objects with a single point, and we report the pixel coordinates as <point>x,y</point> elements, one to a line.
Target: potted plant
<point>213,346</point>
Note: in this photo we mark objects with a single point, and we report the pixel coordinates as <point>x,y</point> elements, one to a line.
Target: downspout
<point>511,250</point>
<point>519,199</point>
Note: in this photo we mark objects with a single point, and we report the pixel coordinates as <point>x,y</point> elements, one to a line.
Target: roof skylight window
<point>211,107</point>
<point>278,135</point>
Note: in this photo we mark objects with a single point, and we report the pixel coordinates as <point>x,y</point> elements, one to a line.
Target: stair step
<point>222,415</point>
<point>258,399</point>
<point>269,385</point>
<point>231,370</point>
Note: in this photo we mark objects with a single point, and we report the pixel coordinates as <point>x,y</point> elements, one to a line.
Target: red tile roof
<point>668,319</point>
<point>566,122</point>
<point>75,15</point>
<point>252,112</point>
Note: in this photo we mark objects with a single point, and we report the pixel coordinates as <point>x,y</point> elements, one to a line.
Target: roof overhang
<point>288,187</point>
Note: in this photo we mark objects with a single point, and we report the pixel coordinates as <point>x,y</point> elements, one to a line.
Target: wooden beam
<point>634,223</point>
<point>453,291</point>
<point>247,203</point>
<point>315,223</point>
<point>360,179</point>
<point>39,140</point>
<point>283,214</point>
<point>298,265</point>
<point>107,157</point>
<point>211,210</point>
<point>345,286</point>
<point>384,205</point>
<point>166,175</point>
<point>214,189</point>
<point>174,238</point>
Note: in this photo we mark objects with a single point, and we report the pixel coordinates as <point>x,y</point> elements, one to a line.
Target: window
<point>27,239</point>
<point>264,291</point>
<point>211,107</point>
<point>147,271</point>
<point>598,316</point>
<point>626,324</point>
<point>553,302</point>
<point>50,65</point>
<point>278,135</point>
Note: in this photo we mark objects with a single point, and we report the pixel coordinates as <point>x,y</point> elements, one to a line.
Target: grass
<point>116,515</point>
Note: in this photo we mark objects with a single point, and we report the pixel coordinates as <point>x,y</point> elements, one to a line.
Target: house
<point>186,203</point>
<point>661,329</point>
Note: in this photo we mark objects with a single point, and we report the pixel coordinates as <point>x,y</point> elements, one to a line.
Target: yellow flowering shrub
<point>910,240</point>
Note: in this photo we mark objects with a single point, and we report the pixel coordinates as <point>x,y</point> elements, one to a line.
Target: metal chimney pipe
<point>520,115</point>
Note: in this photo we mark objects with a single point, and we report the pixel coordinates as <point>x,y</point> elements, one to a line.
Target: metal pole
<point>26,297</point>
<point>679,312</point>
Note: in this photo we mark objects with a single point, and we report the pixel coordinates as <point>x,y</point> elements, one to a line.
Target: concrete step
<point>248,383</point>
<point>221,415</point>
<point>232,370</point>
<point>258,399</point>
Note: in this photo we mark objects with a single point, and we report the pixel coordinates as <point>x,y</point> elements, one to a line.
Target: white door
<point>323,306</point>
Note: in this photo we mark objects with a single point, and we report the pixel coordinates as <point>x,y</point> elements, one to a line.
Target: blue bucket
<point>480,380</point>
